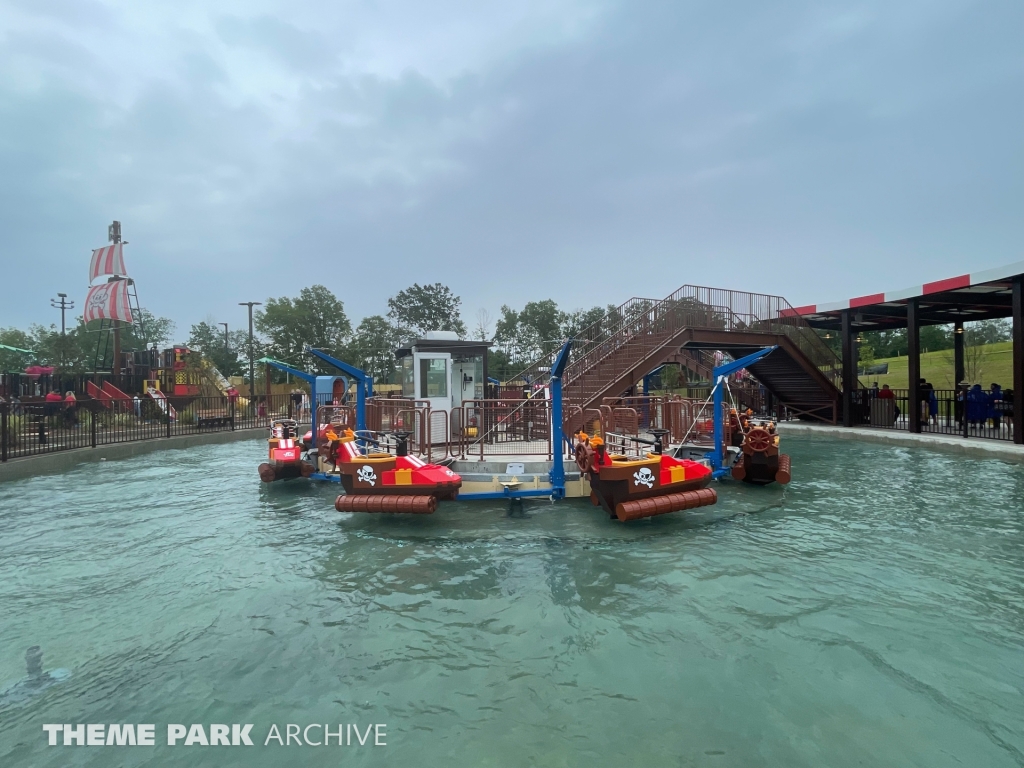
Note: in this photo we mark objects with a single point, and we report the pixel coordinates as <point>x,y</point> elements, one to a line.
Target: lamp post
<point>63,305</point>
<point>225,335</point>
<point>252,365</point>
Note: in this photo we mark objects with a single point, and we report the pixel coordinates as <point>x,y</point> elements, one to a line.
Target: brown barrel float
<point>413,505</point>
<point>660,505</point>
<point>783,474</point>
<point>739,471</point>
<point>269,474</point>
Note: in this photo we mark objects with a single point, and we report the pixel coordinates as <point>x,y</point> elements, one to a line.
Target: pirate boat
<point>284,459</point>
<point>631,488</point>
<point>379,481</point>
<point>759,461</point>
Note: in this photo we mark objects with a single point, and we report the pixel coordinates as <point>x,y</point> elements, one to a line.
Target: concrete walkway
<point>974,447</point>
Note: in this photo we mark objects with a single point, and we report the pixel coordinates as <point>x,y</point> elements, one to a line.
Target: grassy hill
<point>994,364</point>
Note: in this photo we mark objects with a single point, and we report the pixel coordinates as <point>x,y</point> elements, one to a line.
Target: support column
<point>914,364</point>
<point>959,372</point>
<point>1018,359</point>
<point>849,349</point>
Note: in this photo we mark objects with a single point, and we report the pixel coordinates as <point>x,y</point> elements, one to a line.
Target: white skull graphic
<point>367,475</point>
<point>644,477</point>
<point>100,298</point>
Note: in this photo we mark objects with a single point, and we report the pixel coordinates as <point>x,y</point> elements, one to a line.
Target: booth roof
<point>442,345</point>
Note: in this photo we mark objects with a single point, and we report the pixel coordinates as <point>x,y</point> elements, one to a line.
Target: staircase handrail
<point>651,323</point>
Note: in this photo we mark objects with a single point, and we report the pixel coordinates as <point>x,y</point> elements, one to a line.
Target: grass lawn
<point>937,367</point>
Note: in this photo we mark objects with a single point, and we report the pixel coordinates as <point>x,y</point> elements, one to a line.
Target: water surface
<point>871,614</point>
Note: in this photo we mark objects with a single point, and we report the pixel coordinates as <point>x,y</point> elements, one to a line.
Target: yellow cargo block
<point>403,477</point>
<point>677,474</point>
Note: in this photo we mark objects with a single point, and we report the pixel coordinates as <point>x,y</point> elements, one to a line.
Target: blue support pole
<point>557,476</point>
<point>716,457</point>
<point>719,375</point>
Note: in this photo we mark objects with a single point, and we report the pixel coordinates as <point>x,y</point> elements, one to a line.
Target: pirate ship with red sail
<point>644,484</point>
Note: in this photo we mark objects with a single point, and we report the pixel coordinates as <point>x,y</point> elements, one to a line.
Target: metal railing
<point>429,433</point>
<point>942,412</point>
<point>34,426</point>
<point>637,328</point>
<point>505,426</point>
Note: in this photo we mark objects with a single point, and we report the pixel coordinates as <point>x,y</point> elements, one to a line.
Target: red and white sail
<point>108,260</point>
<point>108,301</point>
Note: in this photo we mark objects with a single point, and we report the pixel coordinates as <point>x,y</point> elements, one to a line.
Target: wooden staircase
<point>640,335</point>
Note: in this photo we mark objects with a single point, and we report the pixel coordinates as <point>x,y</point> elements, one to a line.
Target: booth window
<point>433,377</point>
<point>408,377</point>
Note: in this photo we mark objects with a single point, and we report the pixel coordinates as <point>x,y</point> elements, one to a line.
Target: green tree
<point>542,323</point>
<point>316,318</point>
<point>226,355</point>
<point>515,340</point>
<point>671,377</point>
<point>422,308</point>
<point>934,338</point>
<point>159,331</point>
<point>579,320</point>
<point>11,361</point>
<point>373,347</point>
<point>986,332</point>
<point>865,356</point>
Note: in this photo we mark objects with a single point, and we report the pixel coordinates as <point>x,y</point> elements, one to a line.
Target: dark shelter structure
<point>991,294</point>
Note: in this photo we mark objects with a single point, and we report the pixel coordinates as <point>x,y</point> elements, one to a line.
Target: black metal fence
<point>943,411</point>
<point>33,426</point>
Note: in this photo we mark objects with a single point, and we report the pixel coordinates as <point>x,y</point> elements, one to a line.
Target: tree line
<point>285,325</point>
<point>933,338</point>
<point>317,318</point>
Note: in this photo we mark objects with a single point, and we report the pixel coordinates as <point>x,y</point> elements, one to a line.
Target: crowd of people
<point>981,408</point>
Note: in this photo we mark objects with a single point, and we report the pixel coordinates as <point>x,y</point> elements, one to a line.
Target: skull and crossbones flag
<point>108,301</point>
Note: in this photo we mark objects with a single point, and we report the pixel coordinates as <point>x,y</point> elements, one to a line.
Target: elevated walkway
<point>642,334</point>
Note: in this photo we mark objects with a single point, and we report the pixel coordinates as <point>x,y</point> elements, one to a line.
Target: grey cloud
<point>306,51</point>
<point>809,150</point>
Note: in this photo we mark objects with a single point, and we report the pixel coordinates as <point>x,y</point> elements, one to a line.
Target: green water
<point>872,614</point>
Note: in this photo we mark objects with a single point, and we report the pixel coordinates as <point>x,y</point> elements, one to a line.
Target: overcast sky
<point>581,151</point>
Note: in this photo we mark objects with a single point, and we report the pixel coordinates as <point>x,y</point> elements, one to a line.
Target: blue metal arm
<point>364,383</point>
<point>309,378</point>
<point>719,373</point>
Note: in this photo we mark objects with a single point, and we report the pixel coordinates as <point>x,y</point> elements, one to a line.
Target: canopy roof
<point>975,296</point>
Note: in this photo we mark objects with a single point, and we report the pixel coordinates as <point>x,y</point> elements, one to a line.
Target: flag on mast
<point>108,301</point>
<point>108,260</point>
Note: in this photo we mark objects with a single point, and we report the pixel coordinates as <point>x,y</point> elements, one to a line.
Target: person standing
<point>977,405</point>
<point>70,409</point>
<point>925,398</point>
<point>995,408</point>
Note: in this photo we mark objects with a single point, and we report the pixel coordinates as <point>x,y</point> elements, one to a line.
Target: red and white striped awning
<point>960,283</point>
<point>108,301</point>
<point>108,260</point>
